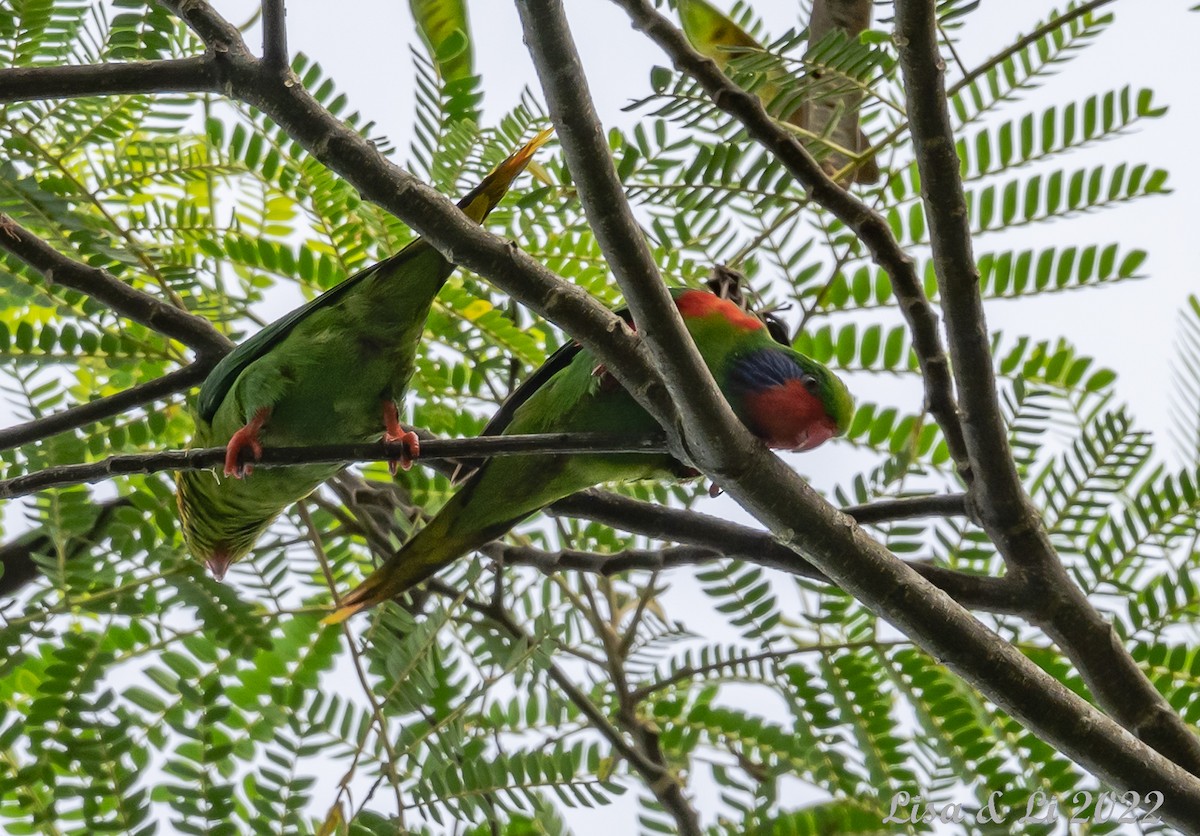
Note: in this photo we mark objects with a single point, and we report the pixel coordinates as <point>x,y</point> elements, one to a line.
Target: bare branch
<point>193,331</point>
<point>178,75</point>
<point>1006,511</point>
<point>275,48</point>
<point>721,538</point>
<point>714,432</point>
<point>97,410</point>
<point>865,222</point>
<point>910,507</point>
<point>379,451</point>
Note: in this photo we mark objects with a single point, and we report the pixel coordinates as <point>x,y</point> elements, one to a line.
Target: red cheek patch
<point>788,417</point>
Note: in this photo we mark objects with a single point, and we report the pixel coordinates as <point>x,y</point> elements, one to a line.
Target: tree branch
<point>275,48</point>
<point>626,252</point>
<point>722,538</point>
<point>97,410</point>
<point>1006,512</point>
<point>177,75</point>
<point>870,227</point>
<point>193,331</point>
<point>378,451</point>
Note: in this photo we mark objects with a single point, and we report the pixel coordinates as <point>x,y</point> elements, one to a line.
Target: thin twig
<point>356,657</point>
<point>88,413</point>
<point>651,772</point>
<point>378,451</point>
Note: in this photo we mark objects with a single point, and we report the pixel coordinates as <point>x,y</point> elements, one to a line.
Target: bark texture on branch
<point>1005,510</point>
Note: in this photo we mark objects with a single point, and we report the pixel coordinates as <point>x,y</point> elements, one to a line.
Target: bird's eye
<point>811,383</point>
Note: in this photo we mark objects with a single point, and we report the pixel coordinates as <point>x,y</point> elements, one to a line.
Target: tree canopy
<point>987,605</point>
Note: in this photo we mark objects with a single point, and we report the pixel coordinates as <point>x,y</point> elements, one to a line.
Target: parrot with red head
<point>788,400</point>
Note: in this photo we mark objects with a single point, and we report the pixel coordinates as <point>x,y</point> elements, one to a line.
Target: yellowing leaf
<point>711,32</point>
<point>476,309</point>
<point>444,28</point>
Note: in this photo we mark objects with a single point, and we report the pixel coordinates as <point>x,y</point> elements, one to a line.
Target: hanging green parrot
<point>329,372</point>
<point>788,400</point>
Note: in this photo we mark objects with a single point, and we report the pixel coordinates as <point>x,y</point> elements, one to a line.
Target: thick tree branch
<point>624,245</point>
<point>177,75</point>
<point>870,227</point>
<point>193,331</point>
<point>378,451</point>
<point>97,410</point>
<point>727,539</point>
<point>1006,512</point>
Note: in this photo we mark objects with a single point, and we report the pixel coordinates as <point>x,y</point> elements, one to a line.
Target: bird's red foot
<point>392,431</point>
<point>247,436</point>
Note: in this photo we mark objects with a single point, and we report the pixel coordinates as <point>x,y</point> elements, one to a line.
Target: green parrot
<point>788,400</point>
<point>330,371</point>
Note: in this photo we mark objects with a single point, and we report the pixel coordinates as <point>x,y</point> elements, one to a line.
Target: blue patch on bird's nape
<point>765,368</point>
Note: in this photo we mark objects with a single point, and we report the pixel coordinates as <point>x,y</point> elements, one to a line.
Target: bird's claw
<point>411,451</point>
<point>233,453</point>
<point>392,432</point>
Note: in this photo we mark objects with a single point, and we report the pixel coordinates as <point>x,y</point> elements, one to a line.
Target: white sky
<point>363,46</point>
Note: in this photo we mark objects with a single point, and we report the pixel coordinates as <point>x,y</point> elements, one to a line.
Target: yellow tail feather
<point>341,614</point>
<point>480,200</point>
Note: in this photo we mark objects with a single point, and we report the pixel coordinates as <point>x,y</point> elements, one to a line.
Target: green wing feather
<point>475,204</point>
<point>216,386</point>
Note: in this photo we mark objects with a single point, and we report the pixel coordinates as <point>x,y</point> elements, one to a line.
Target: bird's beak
<point>815,436</point>
<point>218,565</point>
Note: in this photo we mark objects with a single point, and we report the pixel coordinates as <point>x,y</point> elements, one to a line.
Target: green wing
<point>216,386</point>
<point>476,204</point>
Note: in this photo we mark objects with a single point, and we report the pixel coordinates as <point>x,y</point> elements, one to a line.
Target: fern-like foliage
<point>138,696</point>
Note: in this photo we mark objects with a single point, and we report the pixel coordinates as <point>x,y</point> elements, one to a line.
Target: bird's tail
<point>478,202</point>
<point>426,552</point>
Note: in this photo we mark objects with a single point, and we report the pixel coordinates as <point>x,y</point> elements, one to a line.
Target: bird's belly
<point>340,404</point>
